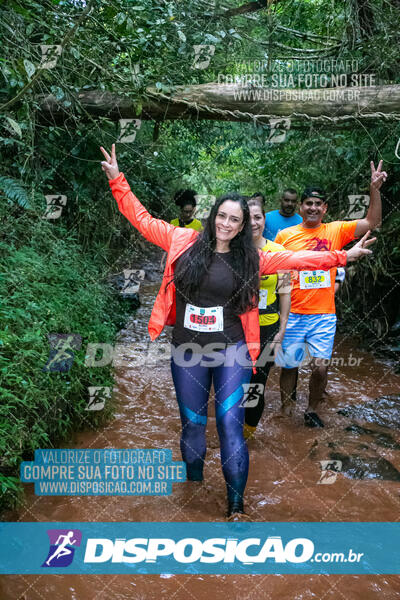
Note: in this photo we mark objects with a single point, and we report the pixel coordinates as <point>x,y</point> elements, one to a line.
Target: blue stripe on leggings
<point>230,401</point>
<point>194,417</point>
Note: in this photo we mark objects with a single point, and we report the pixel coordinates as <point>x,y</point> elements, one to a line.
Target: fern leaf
<point>14,191</point>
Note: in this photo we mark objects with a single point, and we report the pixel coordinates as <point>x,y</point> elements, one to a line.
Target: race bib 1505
<point>204,319</point>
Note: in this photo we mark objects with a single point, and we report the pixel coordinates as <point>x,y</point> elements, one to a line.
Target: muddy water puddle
<point>361,415</point>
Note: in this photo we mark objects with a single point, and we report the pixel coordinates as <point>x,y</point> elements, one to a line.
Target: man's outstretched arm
<point>374,215</point>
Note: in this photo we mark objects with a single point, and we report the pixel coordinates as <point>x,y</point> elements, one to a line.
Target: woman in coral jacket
<point>209,293</point>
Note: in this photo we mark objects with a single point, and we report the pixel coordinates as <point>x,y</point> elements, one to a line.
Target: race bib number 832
<point>310,280</point>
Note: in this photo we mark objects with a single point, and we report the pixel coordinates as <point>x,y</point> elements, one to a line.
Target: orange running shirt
<point>313,292</point>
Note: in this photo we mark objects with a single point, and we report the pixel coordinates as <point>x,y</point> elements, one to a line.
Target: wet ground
<point>362,417</point>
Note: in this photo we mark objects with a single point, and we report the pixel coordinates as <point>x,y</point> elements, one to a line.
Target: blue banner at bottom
<point>199,548</point>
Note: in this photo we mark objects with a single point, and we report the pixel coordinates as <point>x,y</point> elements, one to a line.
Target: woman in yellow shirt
<point>186,200</point>
<point>273,316</point>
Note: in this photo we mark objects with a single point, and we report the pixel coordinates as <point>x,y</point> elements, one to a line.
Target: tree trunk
<point>366,19</point>
<point>246,8</point>
<point>236,103</point>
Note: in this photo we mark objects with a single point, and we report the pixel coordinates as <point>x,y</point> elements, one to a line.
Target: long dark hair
<point>194,263</point>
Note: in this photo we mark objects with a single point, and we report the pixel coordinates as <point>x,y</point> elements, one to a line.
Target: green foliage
<point>49,286</point>
<point>13,191</point>
<point>54,271</point>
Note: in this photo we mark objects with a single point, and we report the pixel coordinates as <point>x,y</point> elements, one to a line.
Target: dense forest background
<point>55,271</point>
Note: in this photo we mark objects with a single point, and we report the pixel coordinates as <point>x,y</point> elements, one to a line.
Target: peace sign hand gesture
<point>110,165</point>
<point>360,249</point>
<point>377,175</point>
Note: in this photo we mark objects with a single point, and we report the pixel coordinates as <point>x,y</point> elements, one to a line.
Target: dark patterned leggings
<point>192,385</point>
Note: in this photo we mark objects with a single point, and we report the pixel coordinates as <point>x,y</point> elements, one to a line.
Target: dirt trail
<point>282,486</point>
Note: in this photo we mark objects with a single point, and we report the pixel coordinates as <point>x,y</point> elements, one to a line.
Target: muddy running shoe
<point>194,470</point>
<point>236,513</point>
<point>239,518</point>
<point>311,419</point>
<point>235,508</point>
<point>248,431</point>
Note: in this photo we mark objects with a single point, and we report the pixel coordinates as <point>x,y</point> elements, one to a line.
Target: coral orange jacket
<point>175,240</point>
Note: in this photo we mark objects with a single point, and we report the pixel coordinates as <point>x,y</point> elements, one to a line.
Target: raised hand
<point>110,165</point>
<point>361,248</point>
<point>377,175</point>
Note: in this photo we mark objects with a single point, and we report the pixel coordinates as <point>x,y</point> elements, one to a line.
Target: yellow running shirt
<point>268,305</point>
<point>194,224</point>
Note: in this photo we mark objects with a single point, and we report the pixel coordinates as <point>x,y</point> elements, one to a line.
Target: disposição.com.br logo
<point>62,547</point>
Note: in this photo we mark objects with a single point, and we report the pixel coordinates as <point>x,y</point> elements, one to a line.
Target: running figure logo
<point>202,55</point>
<point>62,351</point>
<point>329,471</point>
<point>358,205</point>
<point>98,396</point>
<point>277,131</point>
<point>62,547</point>
<point>252,394</point>
<point>55,205</point>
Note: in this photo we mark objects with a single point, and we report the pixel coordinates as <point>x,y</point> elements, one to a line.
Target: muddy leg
<point>288,383</point>
<point>318,382</point>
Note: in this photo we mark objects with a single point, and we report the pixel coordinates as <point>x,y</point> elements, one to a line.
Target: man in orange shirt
<point>312,320</point>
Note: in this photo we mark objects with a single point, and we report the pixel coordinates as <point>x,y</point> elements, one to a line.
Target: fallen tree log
<point>233,102</point>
